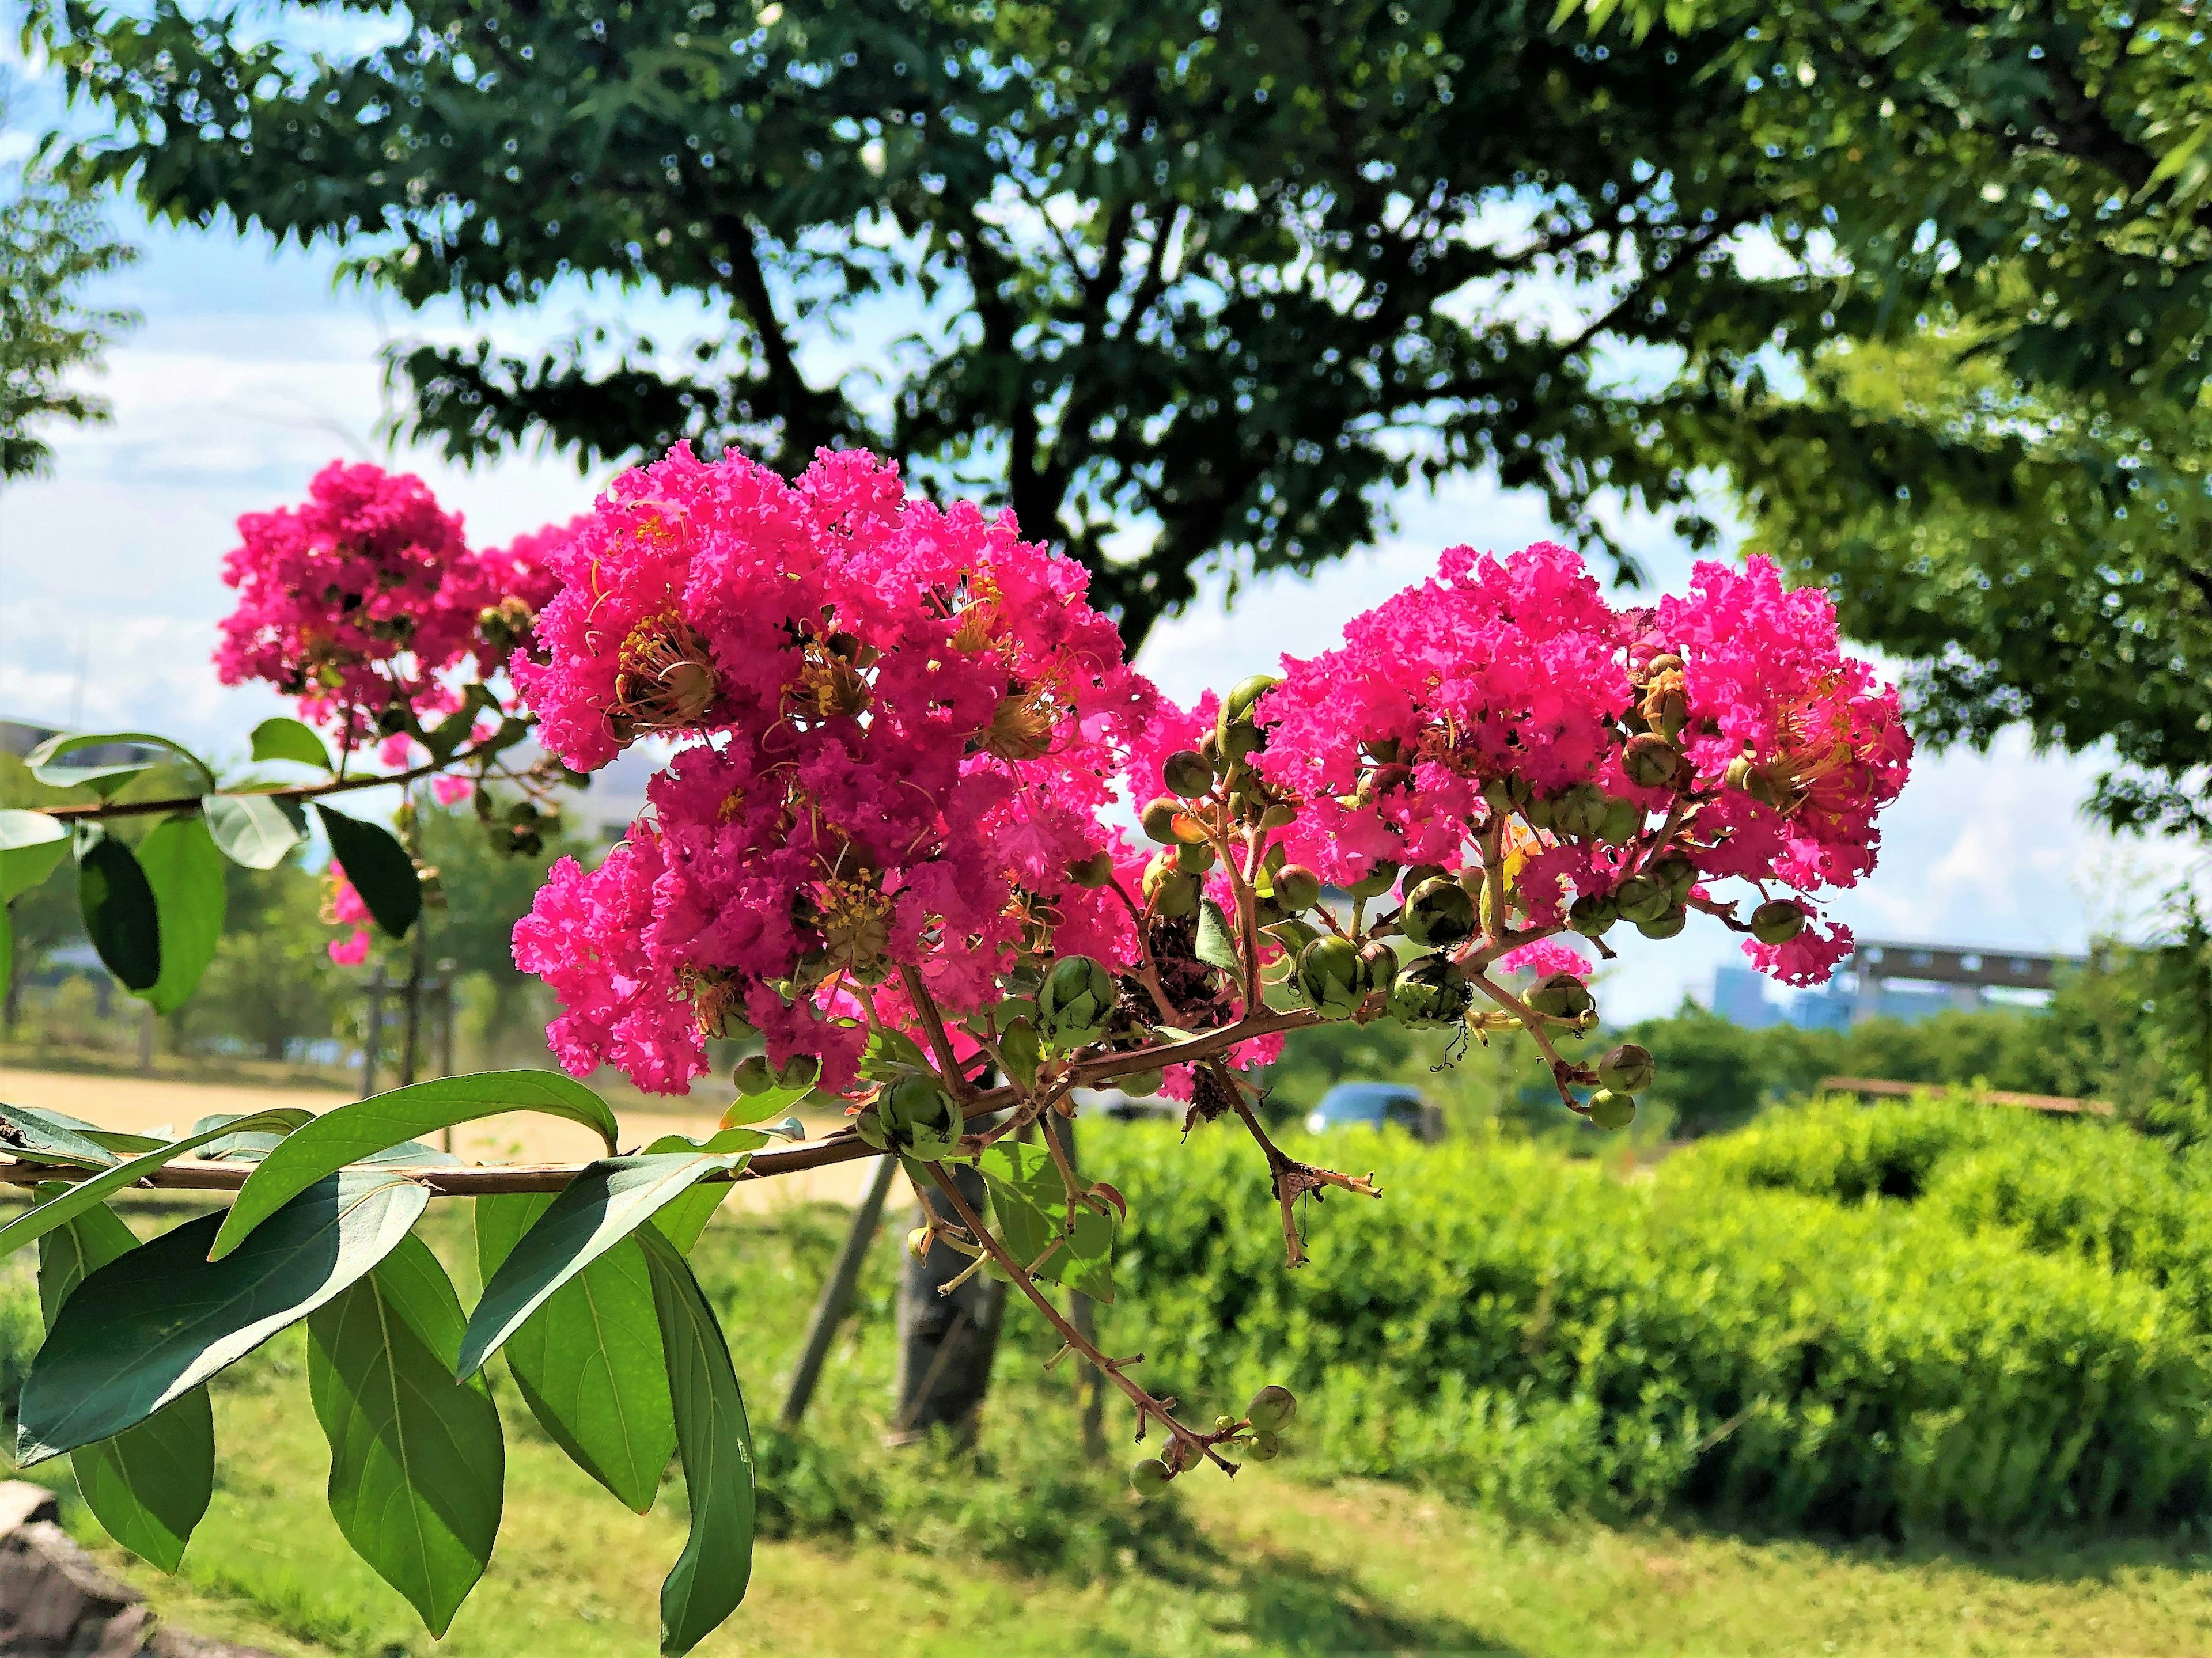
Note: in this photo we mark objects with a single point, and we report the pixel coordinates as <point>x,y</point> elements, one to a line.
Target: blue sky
<point>250,370</point>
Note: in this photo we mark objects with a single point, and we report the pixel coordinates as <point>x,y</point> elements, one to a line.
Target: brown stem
<point>1533,1022</point>
<point>1292,1180</point>
<point>1146,1404</point>
<point>932,1025</point>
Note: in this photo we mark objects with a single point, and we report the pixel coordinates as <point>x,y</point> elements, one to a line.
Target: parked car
<point>1377,1105</point>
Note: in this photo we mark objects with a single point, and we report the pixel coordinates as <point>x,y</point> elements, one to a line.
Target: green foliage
<point>378,867</point>
<point>1526,1329</point>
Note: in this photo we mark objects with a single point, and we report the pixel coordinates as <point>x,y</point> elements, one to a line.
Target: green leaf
<point>152,1324</point>
<point>685,1218</point>
<point>7,948</point>
<point>378,867</point>
<point>418,1466</point>
<point>250,829</point>
<point>709,1580</point>
<point>31,844</point>
<point>1020,1049</point>
<point>604,1205</point>
<point>44,761</point>
<point>49,1137</point>
<point>1216,939</point>
<point>758,1107</point>
<point>181,865</point>
<point>1031,1204</point>
<point>36,1221</point>
<point>354,1132</point>
<point>148,1486</point>
<point>119,912</point>
<point>588,1362</point>
<point>280,738</point>
<point>891,1053</point>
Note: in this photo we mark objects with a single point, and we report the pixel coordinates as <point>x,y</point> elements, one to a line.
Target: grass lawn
<point>1008,1553</point>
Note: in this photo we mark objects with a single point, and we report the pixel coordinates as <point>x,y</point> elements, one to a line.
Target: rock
<point>22,1501</point>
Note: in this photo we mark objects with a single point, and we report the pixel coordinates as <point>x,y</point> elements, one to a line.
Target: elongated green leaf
<point>49,1137</point>
<point>36,1221</point>
<point>250,829</point>
<point>149,1484</point>
<point>31,844</point>
<point>45,761</point>
<point>1031,1202</point>
<point>1217,939</point>
<point>588,1362</point>
<point>279,737</point>
<point>354,1132</point>
<point>709,1577</point>
<point>378,867</point>
<point>604,1205</point>
<point>183,868</point>
<point>120,915</point>
<point>685,1217</point>
<point>105,1139</point>
<point>155,1323</point>
<point>418,1466</point>
<point>7,948</point>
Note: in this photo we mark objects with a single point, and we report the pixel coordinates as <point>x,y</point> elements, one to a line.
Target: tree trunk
<point>947,1342</point>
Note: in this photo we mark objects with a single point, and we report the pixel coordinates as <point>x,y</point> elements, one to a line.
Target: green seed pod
<point>917,1242</point>
<point>1188,773</point>
<point>1237,707</point>
<point>1739,773</point>
<point>1141,1084</point>
<point>1650,761</point>
<point>1640,899</point>
<point>1562,996</point>
<point>1297,888</point>
<point>1332,977</point>
<point>1193,860</point>
<point>1280,815</point>
<point>1665,925</point>
<point>1241,741</point>
<point>1294,934</point>
<point>1593,914</point>
<point>1075,1001</point>
<point>1266,1447</point>
<point>1177,895</point>
<point>802,1070</point>
<point>1415,875</point>
<point>1439,914</point>
<point>1094,871</point>
<point>870,1127</point>
<point>1611,1111</point>
<point>913,1104</point>
<point>1776,921</point>
<point>1381,966</point>
<point>1276,859</point>
<point>1431,992</point>
<point>1381,875</point>
<point>1580,812</point>
<point>1626,1069</point>
<point>1150,1477</point>
<point>1158,819</point>
<point>1271,1408</point>
<point>1675,870</point>
<point>753,1075</point>
<point>1624,819</point>
<point>1537,811</point>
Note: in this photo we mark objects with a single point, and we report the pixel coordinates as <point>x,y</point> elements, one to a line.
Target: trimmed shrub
<point>1510,1325</point>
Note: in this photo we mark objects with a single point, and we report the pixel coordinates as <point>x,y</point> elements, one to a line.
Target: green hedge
<point>2080,1187</point>
<point>1508,1324</point>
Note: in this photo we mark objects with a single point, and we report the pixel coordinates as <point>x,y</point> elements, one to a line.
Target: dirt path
<point>150,1106</point>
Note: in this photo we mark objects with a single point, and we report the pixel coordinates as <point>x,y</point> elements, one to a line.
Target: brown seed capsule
<point>1297,888</point>
<point>1650,761</point>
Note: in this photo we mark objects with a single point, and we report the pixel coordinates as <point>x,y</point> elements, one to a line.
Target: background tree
<point>52,242</point>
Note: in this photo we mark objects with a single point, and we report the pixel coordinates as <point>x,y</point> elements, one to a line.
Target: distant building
<point>1884,979</point>
<point>20,737</point>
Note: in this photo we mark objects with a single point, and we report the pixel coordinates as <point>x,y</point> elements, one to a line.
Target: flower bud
<point>873,1129</point>
<point>1504,794</point>
<point>1665,662</point>
<point>1271,1408</point>
<point>1075,1001</point>
<point>1150,1477</point>
<point>1175,894</point>
<point>1094,871</point>
<point>1279,816</point>
<point>1237,707</point>
<point>1626,1069</point>
<point>1381,875</point>
<point>1623,819</point>
<point>1239,741</point>
<point>1209,749</point>
<point>1650,761</point>
<point>1188,773</point>
<point>1430,993</point>
<point>1675,870</point>
<point>1580,812</point>
<point>1593,914</point>
<point>753,1075</point>
<point>1537,811</point>
<point>1297,888</point>
<point>919,1114</point>
<point>1158,819</point>
<point>1665,925</point>
<point>1738,775</point>
<point>1641,899</point>
<point>1776,921</point>
<point>1439,913</point>
<point>1193,860</point>
<point>1562,996</point>
<point>1415,874</point>
<point>1381,966</point>
<point>1611,1111</point>
<point>1178,1455</point>
<point>917,1242</point>
<point>1265,1446</point>
<point>1332,977</point>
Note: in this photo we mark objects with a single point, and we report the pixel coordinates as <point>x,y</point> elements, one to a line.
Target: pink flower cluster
<point>1516,674</point>
<point>898,727</point>
<point>367,596</point>
<point>342,907</point>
